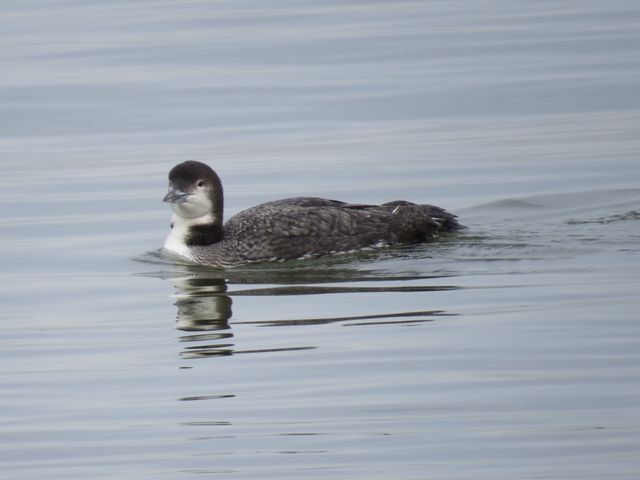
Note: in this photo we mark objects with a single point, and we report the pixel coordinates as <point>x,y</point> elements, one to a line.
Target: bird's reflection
<point>203,307</point>
<point>204,303</point>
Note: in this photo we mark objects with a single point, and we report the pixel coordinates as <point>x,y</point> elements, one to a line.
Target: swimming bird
<point>285,229</point>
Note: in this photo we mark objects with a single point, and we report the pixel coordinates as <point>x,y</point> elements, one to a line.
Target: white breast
<point>176,239</point>
<point>175,245</point>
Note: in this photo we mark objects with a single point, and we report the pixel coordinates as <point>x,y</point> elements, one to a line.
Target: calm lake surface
<point>510,351</point>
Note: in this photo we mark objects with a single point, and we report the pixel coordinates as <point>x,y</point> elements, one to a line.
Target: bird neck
<point>190,232</point>
<point>204,234</point>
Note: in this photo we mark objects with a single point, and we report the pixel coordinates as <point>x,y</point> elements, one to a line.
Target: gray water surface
<point>509,351</point>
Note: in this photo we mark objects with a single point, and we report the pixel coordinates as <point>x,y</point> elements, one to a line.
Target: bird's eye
<point>201,183</point>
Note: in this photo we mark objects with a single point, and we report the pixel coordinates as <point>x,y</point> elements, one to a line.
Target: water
<point>507,352</point>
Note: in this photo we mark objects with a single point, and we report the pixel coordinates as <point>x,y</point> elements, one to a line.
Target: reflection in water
<point>204,301</point>
<point>203,307</point>
<point>316,290</point>
<point>405,318</point>
<point>201,303</point>
<point>205,397</point>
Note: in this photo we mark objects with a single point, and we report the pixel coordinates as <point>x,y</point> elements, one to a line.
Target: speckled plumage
<point>299,227</point>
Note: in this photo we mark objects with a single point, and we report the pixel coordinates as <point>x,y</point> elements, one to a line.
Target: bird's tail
<point>420,222</point>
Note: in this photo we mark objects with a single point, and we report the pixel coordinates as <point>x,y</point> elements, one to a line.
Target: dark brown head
<point>195,191</point>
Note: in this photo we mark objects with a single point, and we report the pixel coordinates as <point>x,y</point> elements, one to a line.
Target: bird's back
<point>308,226</point>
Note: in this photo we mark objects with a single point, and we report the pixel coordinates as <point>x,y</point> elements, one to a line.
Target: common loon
<point>285,229</point>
